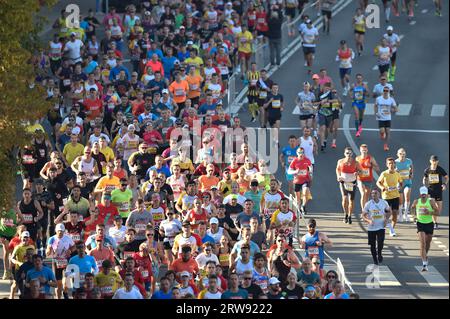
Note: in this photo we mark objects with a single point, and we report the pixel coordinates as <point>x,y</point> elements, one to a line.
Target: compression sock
<point>357,124</point>
<point>388,13</point>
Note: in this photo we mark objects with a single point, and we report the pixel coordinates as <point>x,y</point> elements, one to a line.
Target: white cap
<point>273,281</point>
<point>390,28</point>
<point>229,4</point>
<point>423,190</point>
<point>190,43</point>
<point>165,91</point>
<point>185,273</point>
<point>214,220</point>
<point>131,127</point>
<point>60,227</point>
<point>25,234</point>
<point>76,130</point>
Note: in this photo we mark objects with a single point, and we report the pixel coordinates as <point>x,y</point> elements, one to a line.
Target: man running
<point>302,169</point>
<point>359,96</point>
<point>376,213</point>
<point>393,41</point>
<point>305,101</point>
<point>436,179</point>
<point>385,105</point>
<point>389,182</point>
<point>347,170</point>
<point>287,155</point>
<point>328,99</point>
<point>365,177</point>
<point>274,106</point>
<point>309,36</point>
<point>423,210</point>
<point>345,56</point>
<point>253,76</point>
<point>405,168</point>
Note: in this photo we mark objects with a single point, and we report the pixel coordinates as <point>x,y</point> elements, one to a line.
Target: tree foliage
<point>19,26</point>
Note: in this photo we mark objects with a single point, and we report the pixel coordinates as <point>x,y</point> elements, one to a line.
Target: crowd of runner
<point>131,194</point>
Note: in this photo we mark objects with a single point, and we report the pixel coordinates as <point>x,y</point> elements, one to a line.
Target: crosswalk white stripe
<point>296,110</point>
<point>327,268</point>
<point>433,277</point>
<point>386,277</point>
<point>404,109</point>
<point>438,109</point>
<point>370,109</point>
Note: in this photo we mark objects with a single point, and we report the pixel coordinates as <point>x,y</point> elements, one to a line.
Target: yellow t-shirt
<point>19,254</point>
<point>197,61</point>
<point>391,182</point>
<point>186,165</point>
<point>109,153</point>
<point>106,184</point>
<point>108,284</point>
<point>223,185</point>
<point>245,42</point>
<point>72,152</point>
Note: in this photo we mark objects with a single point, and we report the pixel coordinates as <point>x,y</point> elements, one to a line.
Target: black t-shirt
<point>259,238</point>
<point>254,291</point>
<point>128,247</point>
<point>227,219</point>
<point>271,296</point>
<point>99,158</point>
<point>233,210</point>
<point>435,178</point>
<point>274,108</point>
<point>296,293</point>
<point>143,162</point>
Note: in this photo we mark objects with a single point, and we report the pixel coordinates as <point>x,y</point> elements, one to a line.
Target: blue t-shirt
<point>158,52</point>
<point>241,294</point>
<point>109,241</point>
<point>160,295</point>
<point>308,280</point>
<point>254,248</point>
<point>183,56</point>
<point>204,108</point>
<point>85,264</point>
<point>289,155</point>
<point>331,296</point>
<point>46,273</point>
<point>207,239</point>
<point>168,64</point>
<point>163,169</point>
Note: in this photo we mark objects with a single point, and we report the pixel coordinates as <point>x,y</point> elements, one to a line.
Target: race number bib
<point>365,173</point>
<point>392,188</point>
<point>108,290</point>
<point>313,251</point>
<point>140,227</point>
<point>404,173</point>
<point>75,237</point>
<point>433,178</point>
<point>262,94</point>
<point>66,82</point>
<point>144,273</point>
<point>61,263</point>
<point>276,104</point>
<point>349,187</point>
<point>27,218</point>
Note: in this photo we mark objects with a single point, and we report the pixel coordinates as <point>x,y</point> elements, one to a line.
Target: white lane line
<point>286,54</point>
<point>437,242</point>
<point>442,246</point>
<point>438,110</point>
<point>404,109</point>
<point>386,277</point>
<point>424,10</point>
<point>413,22</point>
<point>433,277</point>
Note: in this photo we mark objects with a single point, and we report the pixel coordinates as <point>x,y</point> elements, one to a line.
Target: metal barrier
<point>300,217</point>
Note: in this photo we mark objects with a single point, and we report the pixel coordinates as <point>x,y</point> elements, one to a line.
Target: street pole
<point>106,7</point>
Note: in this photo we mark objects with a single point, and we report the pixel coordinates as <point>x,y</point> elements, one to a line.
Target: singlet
<point>359,95</point>
<point>241,267</point>
<point>424,211</point>
<point>262,280</point>
<point>215,236</point>
<point>253,78</point>
<point>87,168</point>
<point>312,250</point>
<point>366,173</point>
<point>177,185</point>
<point>348,171</point>
<point>55,51</point>
<point>29,212</point>
<point>404,168</point>
<point>383,55</point>
<point>360,23</point>
<point>308,146</point>
<point>346,58</point>
<point>41,152</point>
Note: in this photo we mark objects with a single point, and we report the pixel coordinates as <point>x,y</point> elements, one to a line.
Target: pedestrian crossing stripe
<point>433,277</point>
<point>296,110</point>
<point>438,110</point>
<point>404,109</point>
<point>386,278</point>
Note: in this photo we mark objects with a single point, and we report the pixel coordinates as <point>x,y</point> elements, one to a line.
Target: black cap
<point>186,223</point>
<point>39,181</point>
<point>434,158</point>
<point>186,249</point>
<point>312,221</point>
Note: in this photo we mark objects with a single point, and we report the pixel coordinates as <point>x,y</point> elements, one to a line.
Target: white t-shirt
<point>384,108</point>
<point>93,138</point>
<point>121,293</point>
<point>74,50</point>
<point>377,212</point>
<point>392,39</point>
<point>130,144</point>
<point>78,121</point>
<point>210,295</point>
<point>118,234</point>
<point>308,146</point>
<point>202,259</point>
<point>309,35</point>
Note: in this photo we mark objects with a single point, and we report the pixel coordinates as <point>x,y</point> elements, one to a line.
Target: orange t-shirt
<point>179,266</point>
<point>195,83</point>
<point>205,182</point>
<point>179,91</point>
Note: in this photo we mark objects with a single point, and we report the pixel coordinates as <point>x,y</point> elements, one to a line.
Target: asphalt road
<point>422,80</point>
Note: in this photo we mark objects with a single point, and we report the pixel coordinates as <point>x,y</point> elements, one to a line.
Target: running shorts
<point>348,192</point>
<point>426,228</point>
<point>343,72</point>
<point>309,50</point>
<point>385,124</point>
<point>325,120</point>
<point>374,235</point>
<point>299,187</point>
<point>436,194</point>
<point>394,203</point>
<point>306,117</point>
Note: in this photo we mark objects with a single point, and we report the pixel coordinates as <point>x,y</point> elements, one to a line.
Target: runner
<point>302,169</point>
<point>383,53</point>
<point>306,102</point>
<point>253,76</point>
<point>347,170</point>
<point>345,56</point>
<point>376,213</point>
<point>283,221</point>
<point>389,182</point>
<point>393,41</point>
<point>309,144</point>
<point>365,177</point>
<point>327,7</point>
<point>387,10</point>
<point>328,102</point>
<point>313,242</point>
<point>424,209</point>
<point>436,179</point>
<point>287,155</point>
<point>359,97</point>
<point>264,87</point>
<point>384,107</point>
<point>405,168</point>
<point>274,107</point>
<point>359,25</point>
<point>310,36</point>
<point>438,5</point>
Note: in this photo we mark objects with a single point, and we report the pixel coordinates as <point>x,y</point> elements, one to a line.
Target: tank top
<point>55,51</point>
<point>345,57</point>
<point>241,267</point>
<point>308,146</point>
<point>424,211</point>
<point>177,186</point>
<point>87,168</point>
<point>312,250</point>
<point>360,23</point>
<point>29,212</point>
<point>282,269</point>
<point>359,93</point>
<point>41,151</point>
<point>224,260</point>
<point>215,236</point>
<point>366,174</point>
<point>261,279</point>
<point>222,65</point>
<point>404,168</point>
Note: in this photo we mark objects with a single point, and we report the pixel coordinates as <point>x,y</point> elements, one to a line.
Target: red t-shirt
<point>144,265</point>
<point>193,218</point>
<point>75,231</point>
<point>179,266</point>
<point>95,106</point>
<point>303,165</point>
<point>107,212</point>
<point>137,107</point>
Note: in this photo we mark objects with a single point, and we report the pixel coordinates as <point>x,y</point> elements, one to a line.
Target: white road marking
<point>296,110</point>
<point>424,10</point>
<point>375,67</point>
<point>413,22</point>
<point>386,277</point>
<point>370,109</point>
<point>404,109</point>
<point>286,54</point>
<point>437,242</point>
<point>442,246</point>
<point>433,277</point>
<point>438,110</point>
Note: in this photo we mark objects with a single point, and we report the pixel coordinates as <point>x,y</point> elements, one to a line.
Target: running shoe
<point>345,219</point>
<point>333,145</point>
<point>322,148</point>
<point>424,268</point>
<point>436,226</point>
<point>380,259</point>
<point>400,217</point>
<point>392,233</point>
<point>253,120</point>
<point>386,147</point>
<point>350,220</point>
<point>345,92</point>
<point>304,210</point>
<point>358,133</point>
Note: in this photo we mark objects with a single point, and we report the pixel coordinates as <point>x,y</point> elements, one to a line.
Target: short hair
<point>212,276</point>
<point>259,256</point>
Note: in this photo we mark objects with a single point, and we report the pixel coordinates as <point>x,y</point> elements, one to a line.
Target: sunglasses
<point>148,235</point>
<point>331,277</point>
<point>316,263</point>
<point>280,240</point>
<point>169,213</point>
<point>248,278</point>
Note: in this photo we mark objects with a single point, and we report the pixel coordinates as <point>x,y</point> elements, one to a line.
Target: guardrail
<point>301,219</point>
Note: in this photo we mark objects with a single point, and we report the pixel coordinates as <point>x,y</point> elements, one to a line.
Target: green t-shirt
<point>122,201</point>
<point>8,223</point>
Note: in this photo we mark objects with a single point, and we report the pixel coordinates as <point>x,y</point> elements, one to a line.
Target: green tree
<point>20,24</point>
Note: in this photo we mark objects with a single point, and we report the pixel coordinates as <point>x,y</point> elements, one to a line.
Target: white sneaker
<point>406,217</point>
<point>392,233</point>
<point>238,69</point>
<point>345,92</point>
<point>400,217</point>
<point>424,268</point>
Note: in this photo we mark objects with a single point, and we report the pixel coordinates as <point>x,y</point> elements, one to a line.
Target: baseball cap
<point>76,130</point>
<point>233,197</point>
<point>185,274</point>
<point>390,28</point>
<point>310,288</point>
<point>165,91</point>
<point>274,281</point>
<point>147,13</point>
<point>214,220</point>
<point>73,33</point>
<point>60,227</point>
<point>186,223</point>
<point>423,190</point>
<point>131,127</point>
<point>434,158</point>
<point>190,43</point>
<point>315,76</point>
<point>182,27</point>
<point>117,217</point>
<point>308,21</point>
<point>186,249</point>
<point>25,234</point>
